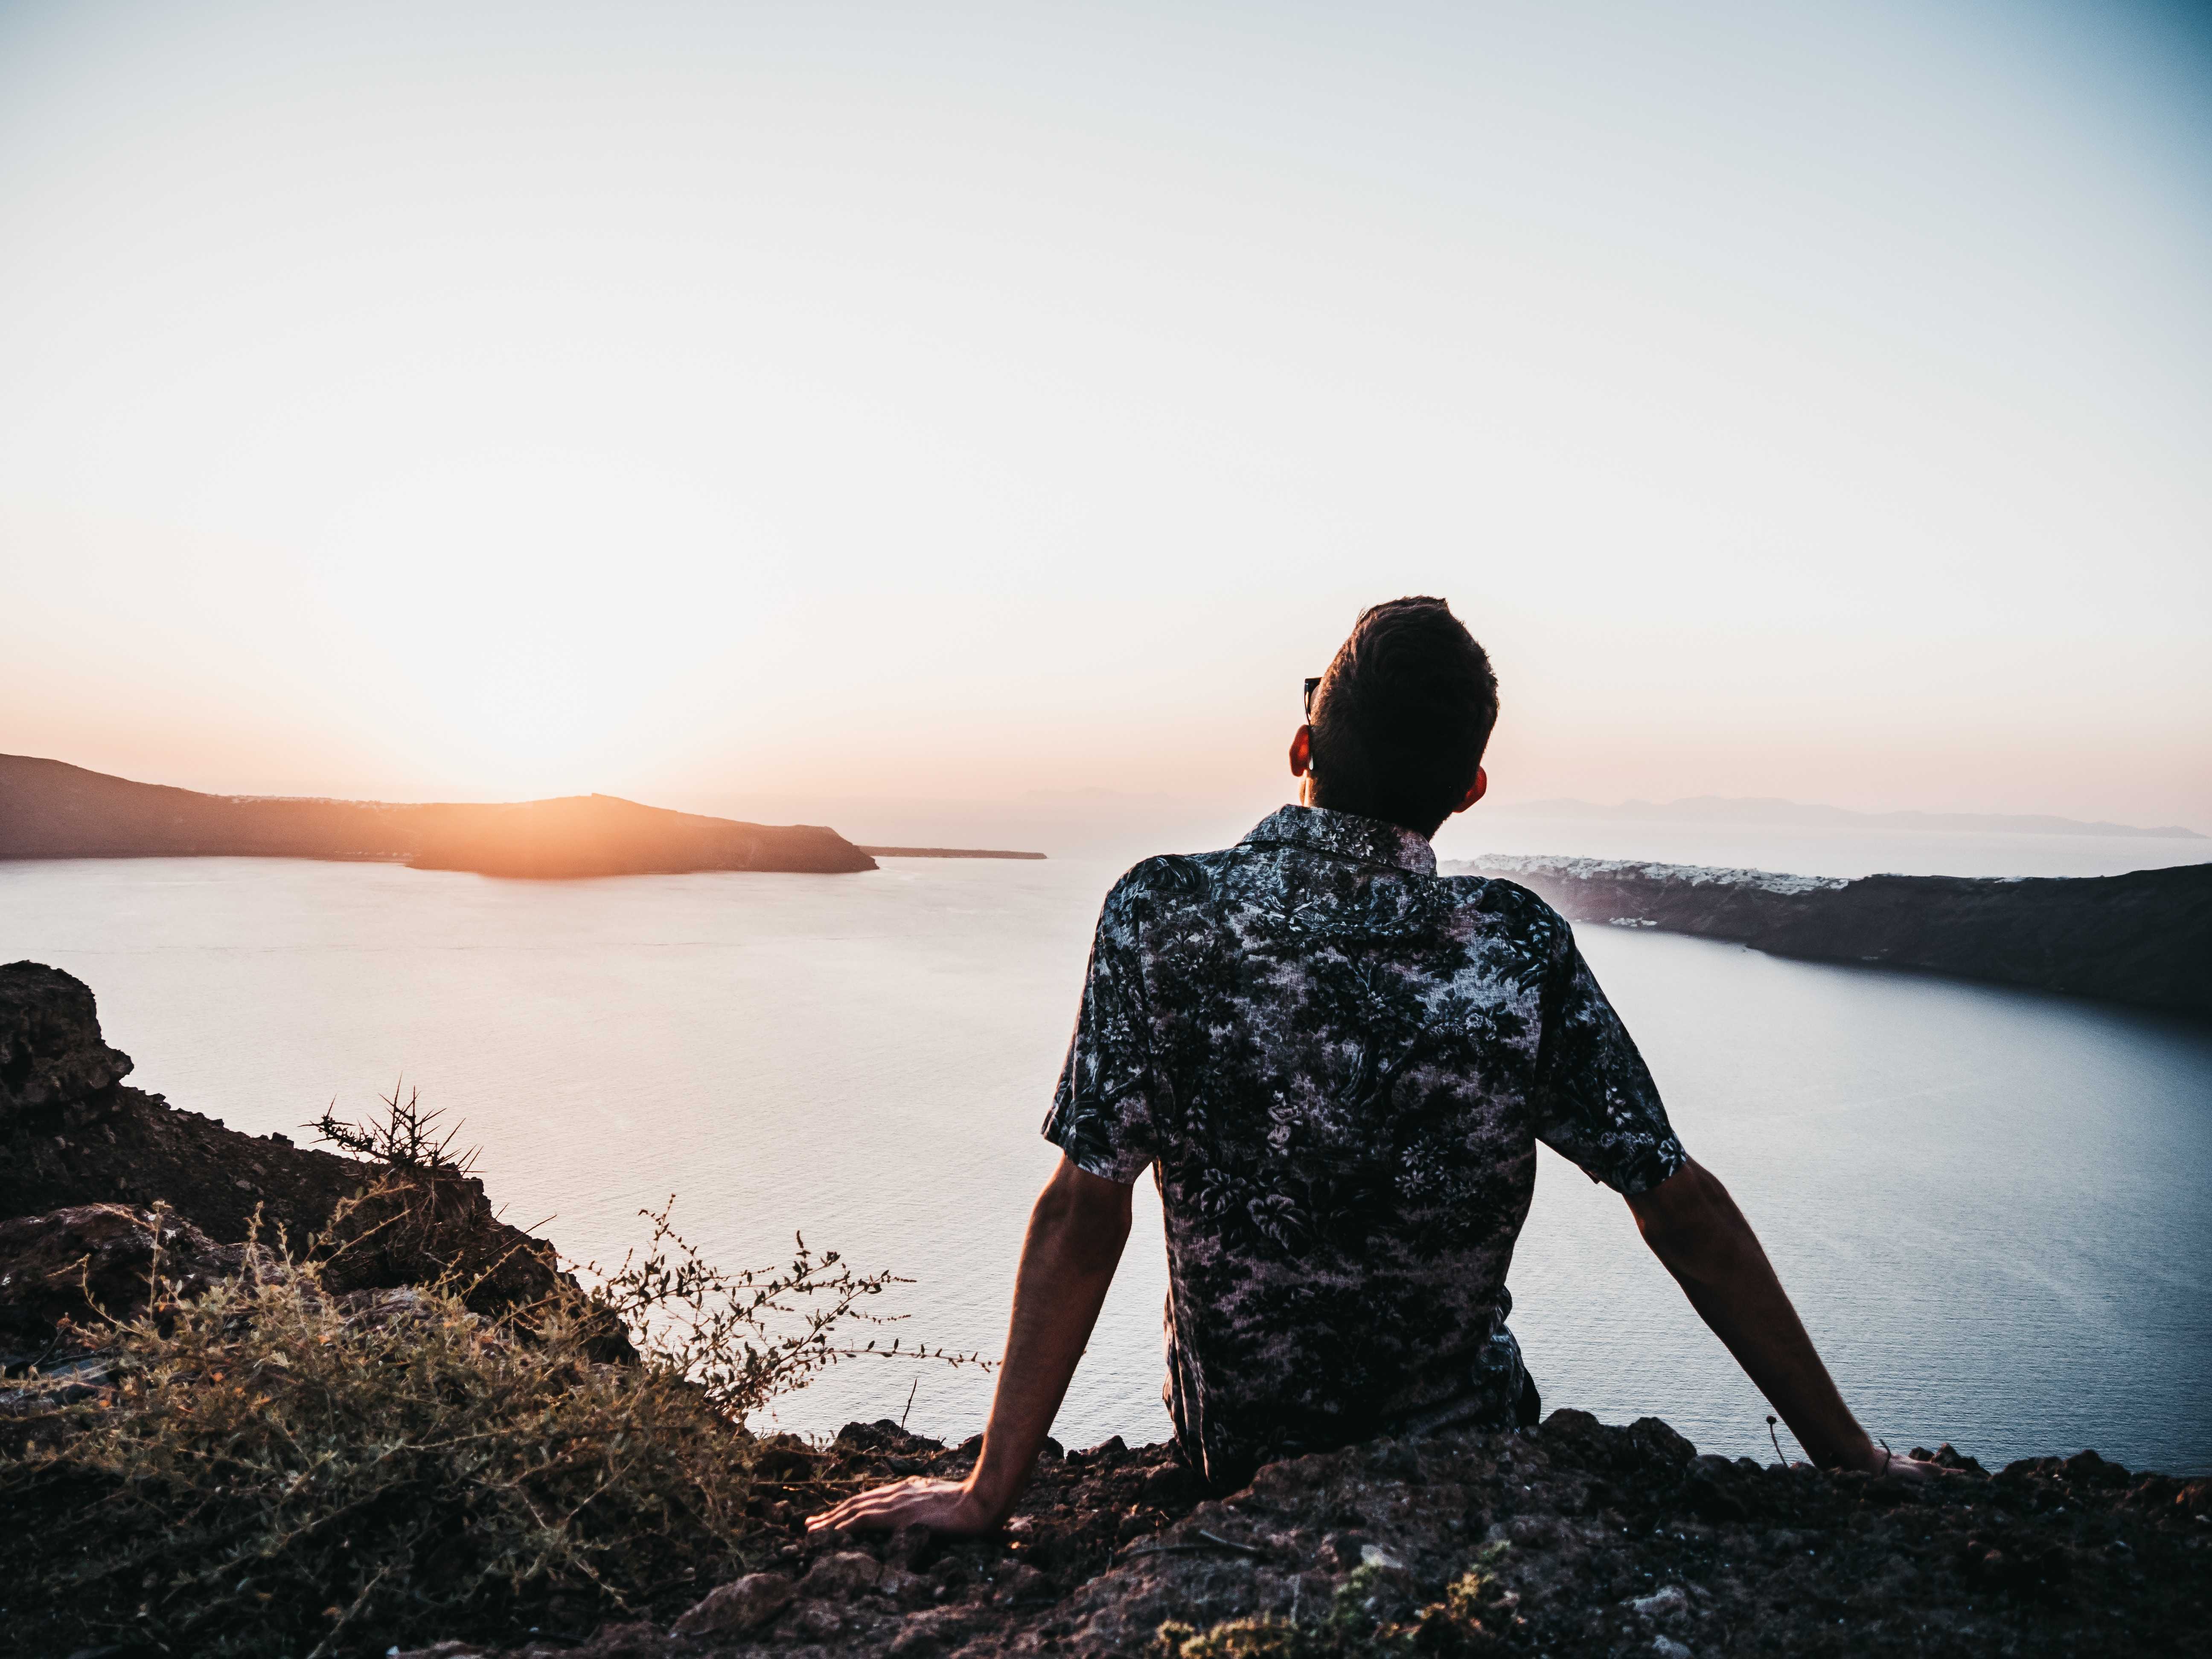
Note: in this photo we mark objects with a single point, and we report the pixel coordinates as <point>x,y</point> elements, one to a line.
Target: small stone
<point>1393,1460</point>
<point>741,1604</point>
<point>1665,1647</point>
<point>817,1621</point>
<point>1024,1583</point>
<point>1341,1551</point>
<point>909,1589</point>
<point>1662,1603</point>
<point>2087,1466</point>
<point>839,1576</point>
<point>917,1640</point>
<point>911,1547</point>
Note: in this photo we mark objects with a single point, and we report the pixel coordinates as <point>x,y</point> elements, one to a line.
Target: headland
<point>2144,938</point>
<point>51,810</point>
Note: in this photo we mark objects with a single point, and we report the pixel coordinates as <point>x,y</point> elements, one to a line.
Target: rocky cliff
<point>50,810</point>
<point>2145,938</point>
<point>1575,1538</point>
<point>76,1142</point>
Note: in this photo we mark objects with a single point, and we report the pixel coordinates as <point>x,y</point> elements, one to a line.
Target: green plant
<point>1357,1624</point>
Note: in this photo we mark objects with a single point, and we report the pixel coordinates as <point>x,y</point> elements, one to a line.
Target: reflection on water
<point>1988,1203</point>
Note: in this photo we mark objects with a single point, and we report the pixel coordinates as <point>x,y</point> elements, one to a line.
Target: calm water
<point>1989,1205</point>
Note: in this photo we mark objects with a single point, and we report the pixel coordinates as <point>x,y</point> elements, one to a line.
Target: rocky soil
<point>1591,1539</point>
<point>1572,1539</point>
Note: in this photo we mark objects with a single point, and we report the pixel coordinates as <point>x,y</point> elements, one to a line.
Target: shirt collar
<point>1346,834</point>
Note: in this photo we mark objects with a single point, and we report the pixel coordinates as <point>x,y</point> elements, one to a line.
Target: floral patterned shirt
<point>1338,1063</point>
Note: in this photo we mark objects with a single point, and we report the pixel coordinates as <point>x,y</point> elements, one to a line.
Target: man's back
<point>1339,1065</point>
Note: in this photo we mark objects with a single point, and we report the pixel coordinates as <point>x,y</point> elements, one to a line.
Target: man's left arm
<point>1077,1229</point>
<point>1694,1228</point>
<point>1599,1107</point>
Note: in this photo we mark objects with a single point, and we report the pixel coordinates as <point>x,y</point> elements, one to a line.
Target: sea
<point>1990,1204</point>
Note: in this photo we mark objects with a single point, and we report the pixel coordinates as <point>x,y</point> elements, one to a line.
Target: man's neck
<point>1306,798</point>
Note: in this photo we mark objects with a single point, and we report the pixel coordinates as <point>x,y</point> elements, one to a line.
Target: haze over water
<point>1987,1202</point>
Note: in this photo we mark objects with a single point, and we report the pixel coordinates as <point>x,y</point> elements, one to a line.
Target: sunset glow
<point>768,409</point>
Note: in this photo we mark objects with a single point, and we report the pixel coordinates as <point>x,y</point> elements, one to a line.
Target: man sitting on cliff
<point>1338,1064</point>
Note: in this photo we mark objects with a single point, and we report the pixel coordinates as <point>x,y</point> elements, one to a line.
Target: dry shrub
<point>276,1467</point>
<point>1359,1623</point>
<point>747,1338</point>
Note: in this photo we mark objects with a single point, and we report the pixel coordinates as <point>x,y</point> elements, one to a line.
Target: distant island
<point>943,852</point>
<point>51,810</point>
<point>2144,938</point>
<point>1770,812</point>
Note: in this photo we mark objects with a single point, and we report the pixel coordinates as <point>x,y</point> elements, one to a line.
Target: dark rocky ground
<point>1585,1539</point>
<point>1597,1540</point>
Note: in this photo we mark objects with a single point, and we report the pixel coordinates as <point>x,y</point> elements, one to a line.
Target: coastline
<point>2144,938</point>
<point>944,853</point>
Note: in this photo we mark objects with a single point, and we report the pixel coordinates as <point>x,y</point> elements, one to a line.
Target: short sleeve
<point>1595,1100</point>
<point>1100,1113</point>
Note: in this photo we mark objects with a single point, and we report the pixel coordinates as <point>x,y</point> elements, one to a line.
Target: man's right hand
<point>946,1507</point>
<point>1075,1238</point>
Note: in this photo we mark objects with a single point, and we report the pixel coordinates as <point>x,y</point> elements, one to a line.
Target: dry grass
<point>1359,1623</point>
<point>273,1468</point>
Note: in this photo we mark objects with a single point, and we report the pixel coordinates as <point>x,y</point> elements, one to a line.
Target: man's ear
<point>1475,791</point>
<point>1301,753</point>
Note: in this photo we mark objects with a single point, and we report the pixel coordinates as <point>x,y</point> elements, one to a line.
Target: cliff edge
<point>1576,1539</point>
<point>324,1471</point>
<point>74,1138</point>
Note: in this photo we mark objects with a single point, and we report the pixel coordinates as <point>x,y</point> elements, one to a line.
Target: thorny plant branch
<point>745,1337</point>
<point>407,1138</point>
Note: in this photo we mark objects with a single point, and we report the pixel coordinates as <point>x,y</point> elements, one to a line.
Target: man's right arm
<point>1695,1230</point>
<point>1076,1234</point>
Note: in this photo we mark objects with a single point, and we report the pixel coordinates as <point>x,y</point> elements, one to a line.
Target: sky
<point>864,414</point>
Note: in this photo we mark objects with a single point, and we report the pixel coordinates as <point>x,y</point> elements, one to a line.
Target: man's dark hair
<point>1400,718</point>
